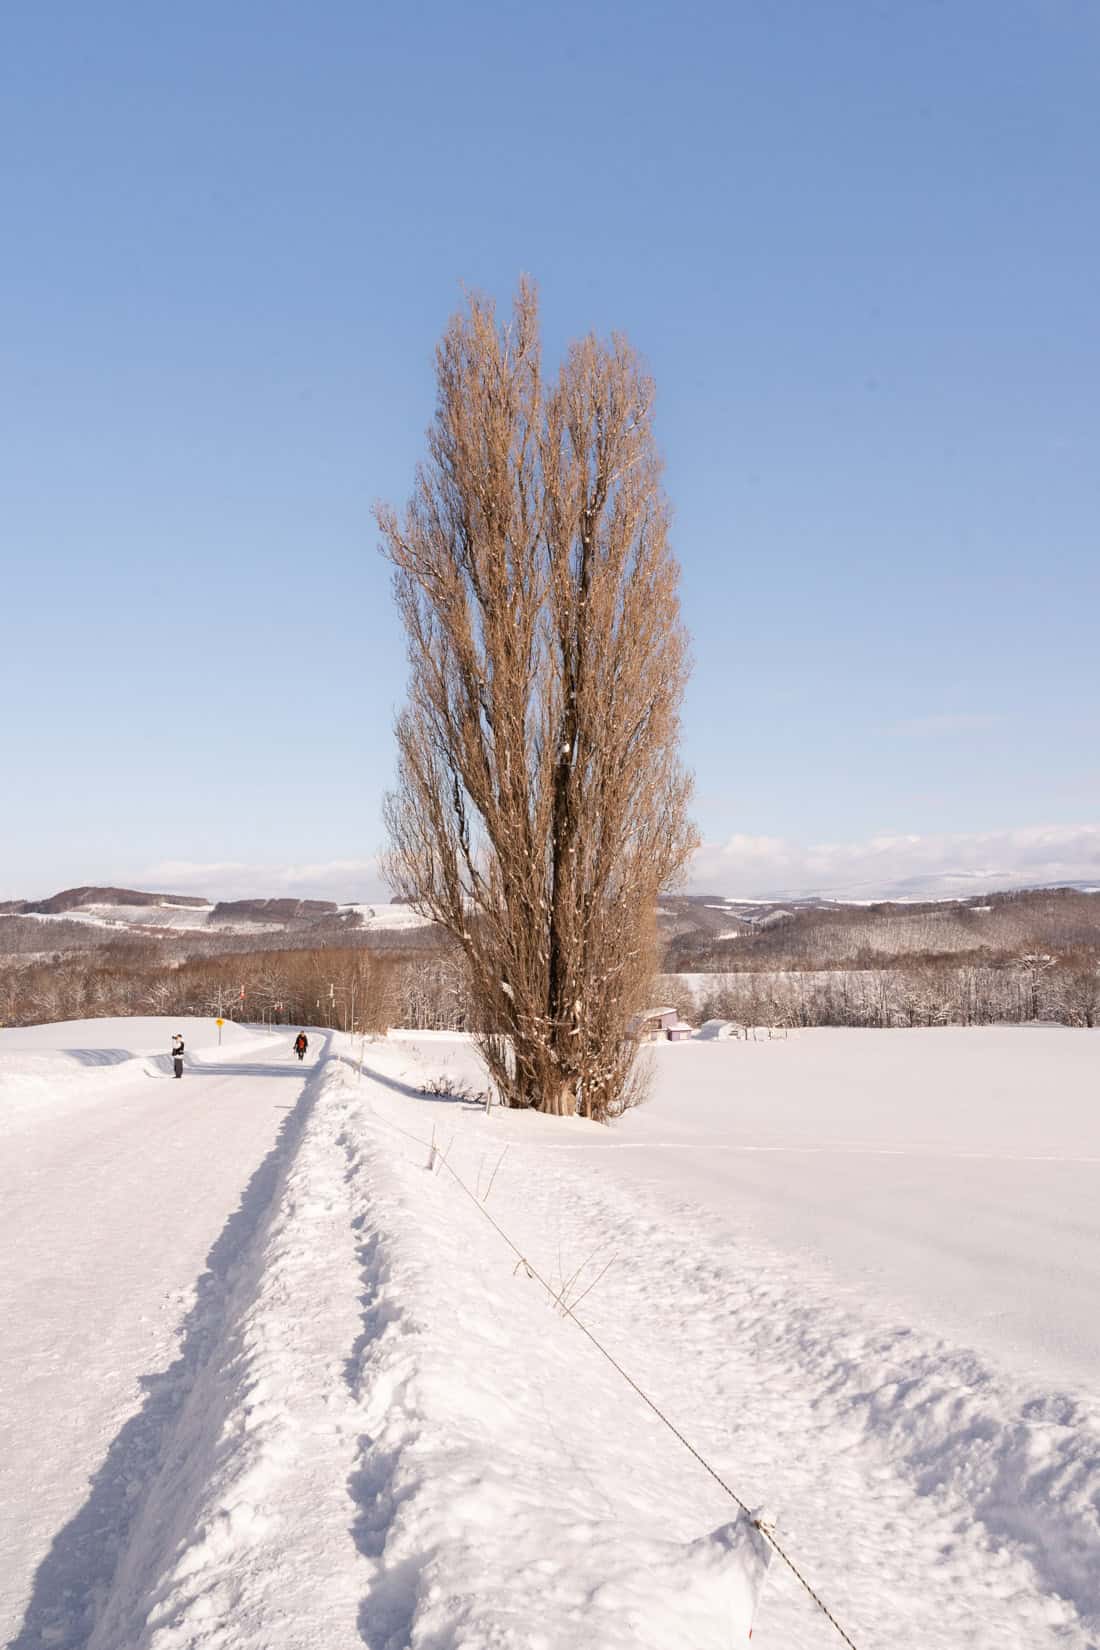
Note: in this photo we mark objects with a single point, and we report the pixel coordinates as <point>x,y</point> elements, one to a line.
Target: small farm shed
<point>657,1024</point>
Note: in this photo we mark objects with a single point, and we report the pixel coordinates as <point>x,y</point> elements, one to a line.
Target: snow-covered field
<point>389,916</point>
<point>104,915</point>
<point>269,1381</point>
<point>187,918</point>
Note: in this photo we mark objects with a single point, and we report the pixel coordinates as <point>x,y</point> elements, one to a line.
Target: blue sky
<point>859,246</point>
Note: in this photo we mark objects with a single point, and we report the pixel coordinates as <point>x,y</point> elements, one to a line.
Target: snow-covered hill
<point>387,916</point>
<point>118,911</point>
<point>302,1392</point>
<point>117,914</point>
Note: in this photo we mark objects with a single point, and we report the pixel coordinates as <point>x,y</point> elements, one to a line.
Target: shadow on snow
<point>74,1579</point>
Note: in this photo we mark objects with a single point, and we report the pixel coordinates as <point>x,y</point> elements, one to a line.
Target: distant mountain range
<point>73,899</point>
<point>714,933</point>
<point>944,885</point>
<point>708,931</point>
<point>101,913</point>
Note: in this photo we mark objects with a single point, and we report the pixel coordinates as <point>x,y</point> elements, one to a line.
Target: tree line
<point>937,991</point>
<point>349,989</point>
<point>422,989</point>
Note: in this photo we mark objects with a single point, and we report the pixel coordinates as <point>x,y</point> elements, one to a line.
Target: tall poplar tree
<point>541,806</point>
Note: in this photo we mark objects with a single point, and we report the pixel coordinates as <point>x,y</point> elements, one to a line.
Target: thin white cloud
<point>913,864</point>
<point>347,880</point>
<point>760,866</point>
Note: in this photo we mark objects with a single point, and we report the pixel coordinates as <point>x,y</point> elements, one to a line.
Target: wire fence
<point>441,1158</point>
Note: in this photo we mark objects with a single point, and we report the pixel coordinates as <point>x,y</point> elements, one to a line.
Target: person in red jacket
<point>301,1043</point>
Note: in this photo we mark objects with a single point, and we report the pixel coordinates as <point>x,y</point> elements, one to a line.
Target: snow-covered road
<point>112,1198</point>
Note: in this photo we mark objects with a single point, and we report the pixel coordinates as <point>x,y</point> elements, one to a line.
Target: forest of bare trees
<point>426,987</point>
<point>1037,986</point>
<point>540,805</point>
<point>350,989</point>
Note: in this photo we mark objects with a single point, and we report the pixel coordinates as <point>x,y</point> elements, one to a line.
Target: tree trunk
<point>558,1100</point>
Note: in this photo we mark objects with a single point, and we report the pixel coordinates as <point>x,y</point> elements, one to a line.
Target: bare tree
<point>1077,991</point>
<point>1035,965</point>
<point>540,804</point>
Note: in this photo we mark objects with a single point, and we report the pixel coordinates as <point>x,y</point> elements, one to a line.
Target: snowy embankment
<point>46,1068</point>
<point>382,1430</point>
<point>395,1441</point>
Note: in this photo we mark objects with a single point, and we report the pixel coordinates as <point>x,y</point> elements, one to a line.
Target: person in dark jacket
<point>301,1043</point>
<point>177,1054</point>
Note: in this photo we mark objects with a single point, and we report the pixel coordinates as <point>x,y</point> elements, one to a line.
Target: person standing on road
<point>301,1043</point>
<point>177,1054</point>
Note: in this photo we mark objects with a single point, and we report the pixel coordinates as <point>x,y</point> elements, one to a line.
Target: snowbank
<point>387,1446</point>
<point>892,1451</point>
<point>139,1034</point>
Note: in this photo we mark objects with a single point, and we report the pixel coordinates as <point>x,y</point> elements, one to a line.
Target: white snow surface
<point>711,1029</point>
<point>41,1064</point>
<point>103,914</point>
<point>270,1380</point>
<point>389,916</point>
